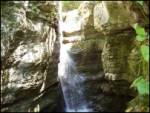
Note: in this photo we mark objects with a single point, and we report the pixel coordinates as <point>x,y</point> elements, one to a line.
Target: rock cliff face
<point>103,48</point>
<point>29,55</point>
<point>105,51</point>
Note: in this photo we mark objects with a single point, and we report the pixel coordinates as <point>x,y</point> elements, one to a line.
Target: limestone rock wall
<point>29,56</point>
<point>120,43</point>
<point>111,22</point>
<point>107,53</point>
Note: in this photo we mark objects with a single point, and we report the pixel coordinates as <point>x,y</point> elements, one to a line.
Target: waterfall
<point>71,81</point>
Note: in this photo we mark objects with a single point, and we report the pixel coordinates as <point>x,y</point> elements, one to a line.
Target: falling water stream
<point>71,81</point>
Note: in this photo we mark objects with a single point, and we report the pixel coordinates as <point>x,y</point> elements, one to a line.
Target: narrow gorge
<point>74,56</point>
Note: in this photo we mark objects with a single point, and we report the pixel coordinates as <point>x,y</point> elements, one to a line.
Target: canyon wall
<point>107,53</point>
<point>29,56</point>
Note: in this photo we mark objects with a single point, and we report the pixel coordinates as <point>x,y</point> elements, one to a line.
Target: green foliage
<point>140,37</point>
<point>141,102</point>
<point>140,2</point>
<point>141,34</point>
<point>70,5</point>
<point>145,52</point>
<point>139,30</point>
<point>142,85</point>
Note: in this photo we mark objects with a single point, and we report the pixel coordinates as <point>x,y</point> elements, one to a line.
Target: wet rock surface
<point>102,46</point>
<point>104,53</point>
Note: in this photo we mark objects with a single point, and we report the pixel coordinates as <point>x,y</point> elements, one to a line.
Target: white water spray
<point>70,79</point>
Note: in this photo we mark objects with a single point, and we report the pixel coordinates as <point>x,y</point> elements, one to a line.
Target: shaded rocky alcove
<point>103,48</point>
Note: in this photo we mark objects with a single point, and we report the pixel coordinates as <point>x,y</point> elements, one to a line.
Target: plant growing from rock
<point>141,102</point>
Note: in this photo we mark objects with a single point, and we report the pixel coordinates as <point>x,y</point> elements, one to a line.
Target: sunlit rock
<point>112,15</point>
<point>72,22</point>
<point>29,56</point>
